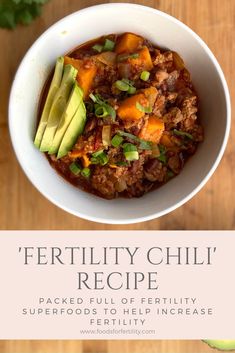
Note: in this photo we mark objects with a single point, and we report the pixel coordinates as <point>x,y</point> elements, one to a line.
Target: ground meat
<point>188,122</point>
<point>160,76</point>
<point>154,170</point>
<point>104,179</point>
<point>133,126</point>
<point>161,58</point>
<point>171,97</point>
<point>171,81</point>
<point>174,163</point>
<point>189,106</point>
<point>159,106</point>
<point>173,117</point>
<point>135,172</point>
<point>90,125</point>
<point>197,132</point>
<point>170,104</point>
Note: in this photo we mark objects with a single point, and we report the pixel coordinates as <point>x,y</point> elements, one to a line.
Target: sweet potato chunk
<point>153,130</point>
<point>74,62</point>
<point>128,111</point>
<point>166,141</point>
<point>144,61</point>
<point>128,43</point>
<point>151,94</point>
<point>85,76</point>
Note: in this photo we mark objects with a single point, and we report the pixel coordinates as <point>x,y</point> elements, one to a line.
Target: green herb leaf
<point>13,12</point>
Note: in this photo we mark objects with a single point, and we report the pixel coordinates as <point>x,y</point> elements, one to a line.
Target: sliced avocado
<point>55,84</point>
<point>224,345</point>
<point>58,106</point>
<point>74,130</point>
<point>74,101</point>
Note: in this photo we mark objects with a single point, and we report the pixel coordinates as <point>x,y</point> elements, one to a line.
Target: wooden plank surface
<point>22,207</point>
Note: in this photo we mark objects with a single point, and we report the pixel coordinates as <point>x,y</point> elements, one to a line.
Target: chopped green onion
<point>108,45</point>
<point>129,147</point>
<point>129,82</point>
<point>103,159</point>
<point>106,108</point>
<point>143,109</point>
<point>86,172</point>
<point>127,134</point>
<point>122,164</point>
<point>127,56</point>
<point>99,157</point>
<point>122,86</point>
<point>125,85</point>
<point>98,47</point>
<point>144,145</point>
<point>183,133</point>
<point>111,111</point>
<point>116,140</point>
<point>131,155</point>
<point>131,90</point>
<point>100,111</point>
<point>144,75</point>
<point>162,158</point>
<point>96,154</point>
<point>75,168</point>
<point>93,97</point>
<point>130,152</point>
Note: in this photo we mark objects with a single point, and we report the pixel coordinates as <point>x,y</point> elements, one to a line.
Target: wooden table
<point>22,207</point>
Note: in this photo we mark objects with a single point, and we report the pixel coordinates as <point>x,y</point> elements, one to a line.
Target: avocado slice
<point>74,101</point>
<point>224,345</point>
<point>74,130</point>
<point>55,84</point>
<point>58,106</point>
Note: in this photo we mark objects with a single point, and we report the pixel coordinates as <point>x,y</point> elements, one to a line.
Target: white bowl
<point>162,30</point>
